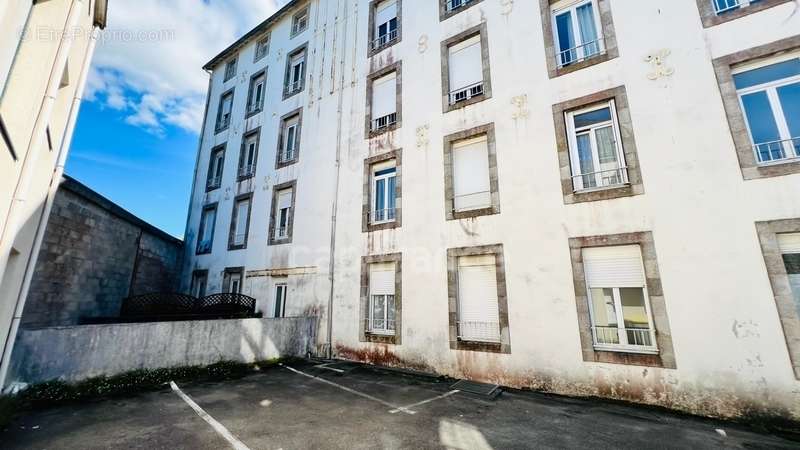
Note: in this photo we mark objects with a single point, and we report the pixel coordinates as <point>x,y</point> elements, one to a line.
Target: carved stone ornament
<point>658,62</point>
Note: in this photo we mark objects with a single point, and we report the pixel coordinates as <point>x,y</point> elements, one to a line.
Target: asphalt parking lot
<point>302,405</point>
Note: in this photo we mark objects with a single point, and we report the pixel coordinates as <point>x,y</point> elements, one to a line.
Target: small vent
<point>490,391</point>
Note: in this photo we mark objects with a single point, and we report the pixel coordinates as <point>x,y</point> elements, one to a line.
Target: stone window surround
<point>398,69</point>
<point>710,18</point>
<point>366,207</point>
<point>655,295</point>
<point>364,334</point>
<point>242,153</point>
<point>449,194</point>
<point>303,10</point>
<point>609,40</point>
<point>284,118</point>
<point>265,37</point>
<point>444,14</point>
<point>200,230</point>
<point>249,113</point>
<point>482,30</point>
<point>504,346</point>
<point>273,213</point>
<point>779,280</point>
<point>736,121</point>
<point>303,48</point>
<point>231,62</point>
<point>223,148</point>
<point>635,185</point>
<point>217,128</point>
<point>231,246</point>
<point>373,4</point>
<point>226,278</point>
<point>196,274</point>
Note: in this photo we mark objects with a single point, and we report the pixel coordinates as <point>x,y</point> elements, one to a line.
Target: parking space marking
<point>218,427</point>
<point>325,366</point>
<point>439,397</point>
<point>347,389</point>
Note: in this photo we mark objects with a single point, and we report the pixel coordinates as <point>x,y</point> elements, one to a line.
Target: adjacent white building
<point>591,197</point>
<point>46,48</point>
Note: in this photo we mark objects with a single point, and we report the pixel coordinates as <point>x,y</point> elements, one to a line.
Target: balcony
<point>782,151</point>
<point>580,53</point>
<point>385,40</point>
<point>466,93</point>
<point>384,122</point>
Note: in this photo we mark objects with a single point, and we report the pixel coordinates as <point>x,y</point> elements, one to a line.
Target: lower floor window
<point>620,312</point>
<point>789,245</point>
<point>280,300</point>
<point>381,299</point>
<point>478,307</point>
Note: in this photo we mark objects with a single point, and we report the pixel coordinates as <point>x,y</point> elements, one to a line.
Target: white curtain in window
<point>471,174</point>
<point>381,279</point>
<point>465,63</point>
<point>614,267</point>
<point>478,309</point>
<point>383,96</point>
<point>285,199</point>
<point>208,224</point>
<point>385,12</point>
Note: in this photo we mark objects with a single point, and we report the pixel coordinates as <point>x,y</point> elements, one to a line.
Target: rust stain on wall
<point>380,355</point>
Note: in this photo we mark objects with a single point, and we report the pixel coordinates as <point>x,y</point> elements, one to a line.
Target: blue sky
<point>137,134</point>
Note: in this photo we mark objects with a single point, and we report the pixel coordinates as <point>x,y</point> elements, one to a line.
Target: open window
<point>289,139</point>
<point>224,111</point>
<point>282,217</point>
<point>294,81</point>
<point>577,31</point>
<point>248,156</point>
<point>596,155</point>
<point>216,166</point>
<point>386,24</point>
<point>257,93</point>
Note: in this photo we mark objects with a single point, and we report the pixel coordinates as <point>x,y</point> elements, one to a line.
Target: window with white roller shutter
<point>384,100</point>
<point>240,222</point>
<point>478,308</point>
<point>471,184</point>
<point>620,310</point>
<point>789,245</point>
<point>381,298</point>
<point>284,212</point>
<point>465,63</point>
<point>385,23</point>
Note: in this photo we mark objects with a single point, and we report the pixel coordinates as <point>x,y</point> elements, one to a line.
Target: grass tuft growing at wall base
<point>57,392</point>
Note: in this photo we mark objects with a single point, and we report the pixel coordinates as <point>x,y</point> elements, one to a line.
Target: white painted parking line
<point>408,408</point>
<point>325,366</point>
<point>352,391</point>
<point>233,440</point>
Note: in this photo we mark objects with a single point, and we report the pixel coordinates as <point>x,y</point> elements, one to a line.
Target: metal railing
<point>286,156</point>
<point>637,337</point>
<point>224,121</point>
<point>380,326</point>
<point>214,183</point>
<point>601,179</point>
<point>466,93</point>
<point>283,232</point>
<point>293,87</point>
<point>451,5</point>
<point>247,171</point>
<point>580,53</point>
<point>383,215</point>
<point>254,108</point>
<point>384,122</point>
<point>458,201</point>
<point>385,39</point>
<point>479,331</point>
<point>238,239</point>
<point>777,150</point>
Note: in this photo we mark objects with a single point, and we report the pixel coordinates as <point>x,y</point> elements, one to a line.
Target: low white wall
<point>77,352</point>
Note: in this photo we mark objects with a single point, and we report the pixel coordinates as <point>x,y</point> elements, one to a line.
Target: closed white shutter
<point>465,63</point>
<point>789,242</point>
<point>614,267</point>
<point>241,221</point>
<point>381,279</point>
<point>383,96</point>
<point>478,309</point>
<point>285,199</point>
<point>471,174</point>
<point>385,12</point>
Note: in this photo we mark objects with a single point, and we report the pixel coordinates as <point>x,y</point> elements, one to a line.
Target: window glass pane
<point>604,316</point>
<point>566,36</point>
<point>378,311</point>
<point>585,160</point>
<point>380,201</point>
<point>633,310</point>
<point>390,194</point>
<point>592,117</point>
<point>762,122</point>
<point>385,171</point>
<point>792,262</point>
<point>606,148</point>
<point>390,312</point>
<point>790,102</point>
<point>588,29</point>
<point>766,74</point>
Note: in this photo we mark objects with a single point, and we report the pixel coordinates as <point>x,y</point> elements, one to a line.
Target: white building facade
<point>594,197</point>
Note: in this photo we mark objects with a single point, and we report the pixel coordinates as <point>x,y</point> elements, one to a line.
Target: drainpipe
<point>55,182</point>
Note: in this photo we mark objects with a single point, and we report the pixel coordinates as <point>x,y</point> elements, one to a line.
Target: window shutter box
<point>284,199</point>
<point>383,96</point>
<point>465,63</point>
<point>478,309</point>
<point>385,12</point>
<point>381,279</point>
<point>789,243</point>
<point>614,267</point>
<point>471,189</point>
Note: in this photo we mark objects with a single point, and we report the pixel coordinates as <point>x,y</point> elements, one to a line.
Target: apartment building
<point>588,197</point>
<point>45,52</point>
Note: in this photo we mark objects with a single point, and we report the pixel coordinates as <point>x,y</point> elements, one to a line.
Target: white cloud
<point>149,59</point>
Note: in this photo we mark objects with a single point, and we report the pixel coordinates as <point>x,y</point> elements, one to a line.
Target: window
<point>466,71</point>
<point>789,245</point>
<point>230,69</point>
<point>262,49</point>
<point>257,92</point>
<point>471,188</point>
<point>279,302</point>
<point>618,303</point>
<point>384,101</point>
<point>224,111</point>
<point>300,21</point>
<point>199,283</point>
<point>449,8</point>
<point>381,298</point>
<point>715,12</point>
<point>205,237</point>
<point>215,168</point>
<point>577,31</point>
<point>248,155</point>
<point>232,280</point>
<point>295,72</point>
<point>596,156</point>
<point>289,139</point>
<point>383,193</point>
<point>240,222</point>
<point>386,31</point>
<point>723,6</point>
<point>769,96</point>
<point>282,213</point>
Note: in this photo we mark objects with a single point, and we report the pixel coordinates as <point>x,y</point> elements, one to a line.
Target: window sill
<point>374,51</point>
<point>253,113</point>
<point>282,164</point>
<point>480,346</point>
<point>460,105</point>
<point>601,189</point>
<point>470,213</point>
<point>280,241</point>
<point>594,60</point>
<point>785,161</point>
<point>202,252</point>
<point>711,18</point>
<point>220,130</point>
<point>212,188</point>
<point>379,338</point>
<point>237,247</point>
<point>289,94</point>
<point>245,177</point>
<point>621,349</point>
<point>384,130</point>
<point>610,193</point>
